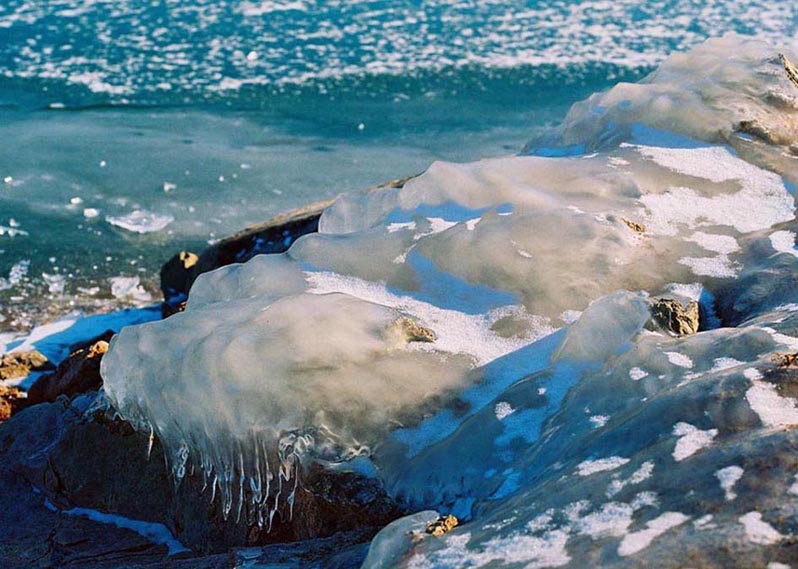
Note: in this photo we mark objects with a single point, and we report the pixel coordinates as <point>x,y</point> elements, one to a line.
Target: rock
<point>10,401</point>
<point>442,525</point>
<point>634,226</point>
<point>412,331</point>
<point>177,274</point>
<point>671,314</point>
<point>92,459</point>
<point>753,128</point>
<point>789,69</point>
<point>15,365</point>
<point>79,373</point>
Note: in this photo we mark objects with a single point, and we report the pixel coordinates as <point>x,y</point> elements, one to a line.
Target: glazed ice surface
<point>546,410</point>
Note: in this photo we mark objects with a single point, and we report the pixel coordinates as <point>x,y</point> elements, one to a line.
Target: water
<point>215,114</point>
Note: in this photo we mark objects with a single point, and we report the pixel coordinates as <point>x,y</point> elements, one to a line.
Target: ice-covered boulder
<point>547,412</point>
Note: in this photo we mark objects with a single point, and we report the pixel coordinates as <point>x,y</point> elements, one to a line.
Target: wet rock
<point>15,365</point>
<point>673,315</point>
<point>79,373</point>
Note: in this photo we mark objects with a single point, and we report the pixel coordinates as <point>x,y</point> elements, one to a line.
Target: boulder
<point>82,455</point>
<point>79,373</point>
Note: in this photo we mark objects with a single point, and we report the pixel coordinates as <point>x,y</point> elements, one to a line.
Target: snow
<point>680,360</point>
<point>773,410</point>
<point>728,477</point>
<point>691,440</point>
<point>759,531</point>
<point>635,542</point>
<point>637,374</point>
<point>588,467</point>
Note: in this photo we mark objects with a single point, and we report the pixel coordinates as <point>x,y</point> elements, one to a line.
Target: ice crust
<point>534,275</point>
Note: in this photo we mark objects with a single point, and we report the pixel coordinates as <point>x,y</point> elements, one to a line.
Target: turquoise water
<point>209,115</point>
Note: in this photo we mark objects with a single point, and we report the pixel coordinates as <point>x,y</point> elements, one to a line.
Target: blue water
<point>218,114</point>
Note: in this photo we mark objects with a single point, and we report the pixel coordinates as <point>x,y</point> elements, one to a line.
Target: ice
<point>508,369</point>
<point>130,289</point>
<point>154,532</point>
<point>141,221</point>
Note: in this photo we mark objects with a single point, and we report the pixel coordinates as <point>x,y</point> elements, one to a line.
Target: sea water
<point>130,130</point>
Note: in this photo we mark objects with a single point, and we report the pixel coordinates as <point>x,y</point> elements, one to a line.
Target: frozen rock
<point>538,289</point>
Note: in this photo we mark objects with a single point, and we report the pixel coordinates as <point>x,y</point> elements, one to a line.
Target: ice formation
<point>533,275</point>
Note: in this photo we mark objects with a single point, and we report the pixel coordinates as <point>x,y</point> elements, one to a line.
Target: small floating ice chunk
<point>637,374</point>
<point>588,467</point>
<point>637,541</point>
<point>90,212</point>
<point>692,440</point>
<point>503,409</point>
<point>728,477</point>
<point>169,186</point>
<point>76,200</point>
<point>141,221</point>
<point>759,531</point>
<point>8,180</point>
<point>599,421</point>
<point>680,360</point>
<point>129,288</point>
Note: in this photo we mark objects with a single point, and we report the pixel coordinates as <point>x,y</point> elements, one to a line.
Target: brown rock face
<point>679,319</point>
<point>10,399</point>
<point>99,462</point>
<point>79,373</point>
<point>16,365</point>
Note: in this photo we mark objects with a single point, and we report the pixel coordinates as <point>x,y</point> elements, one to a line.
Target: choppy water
<point>217,114</point>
